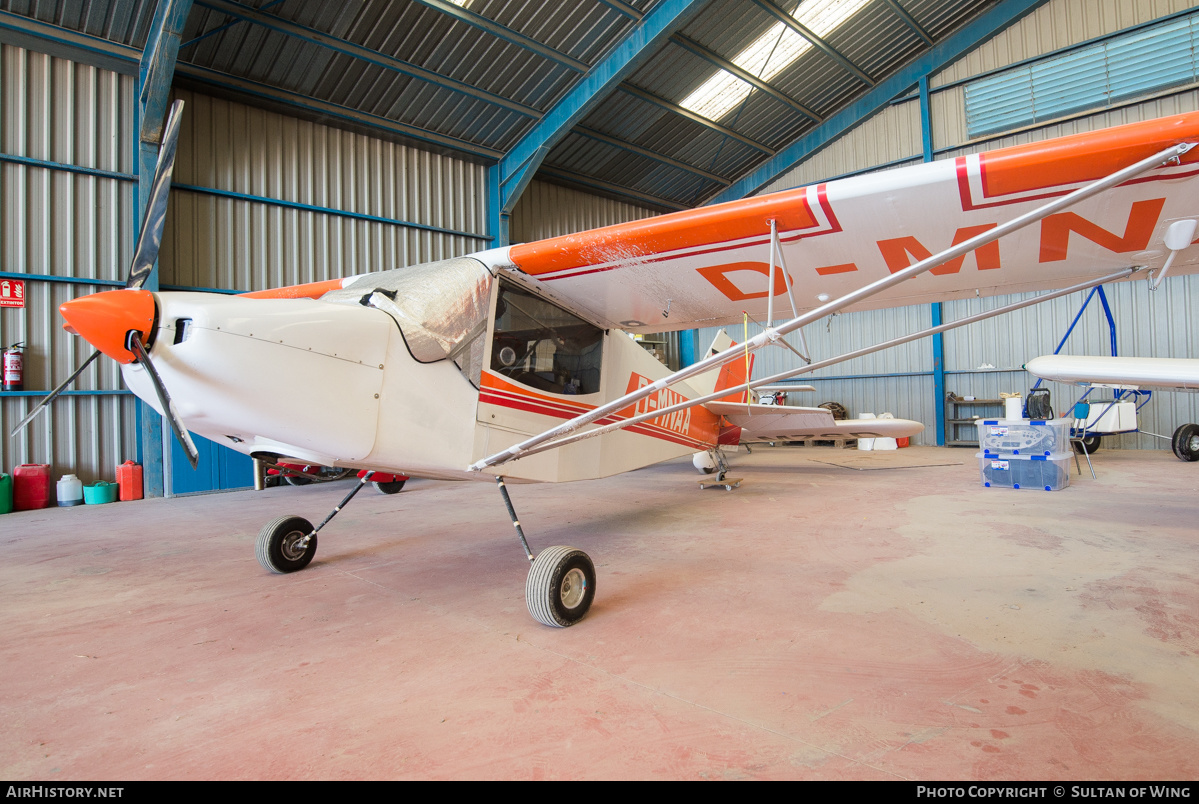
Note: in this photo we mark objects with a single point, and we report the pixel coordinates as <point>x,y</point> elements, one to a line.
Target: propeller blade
<point>149,239</point>
<point>168,407</point>
<point>42,405</point>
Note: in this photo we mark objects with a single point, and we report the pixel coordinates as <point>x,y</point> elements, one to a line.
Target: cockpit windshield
<point>542,346</point>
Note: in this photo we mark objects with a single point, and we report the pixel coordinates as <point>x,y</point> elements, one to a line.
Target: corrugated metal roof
<point>486,79</point>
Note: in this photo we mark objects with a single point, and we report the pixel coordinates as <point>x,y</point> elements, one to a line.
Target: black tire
<point>560,586</point>
<point>392,487</point>
<point>1186,442</point>
<point>276,546</point>
<point>297,480</point>
<point>1089,445</point>
<point>837,409</point>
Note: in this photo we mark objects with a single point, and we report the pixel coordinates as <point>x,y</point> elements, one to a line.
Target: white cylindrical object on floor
<point>866,443</point>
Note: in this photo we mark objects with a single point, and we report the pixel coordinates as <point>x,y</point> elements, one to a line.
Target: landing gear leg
<point>722,465</point>
<point>288,543</point>
<point>561,582</point>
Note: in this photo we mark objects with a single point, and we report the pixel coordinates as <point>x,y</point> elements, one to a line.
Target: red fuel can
<point>31,486</point>
<point>129,477</point>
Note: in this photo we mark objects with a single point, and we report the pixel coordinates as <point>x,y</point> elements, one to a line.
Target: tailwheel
<point>284,544</point>
<point>560,587</point>
<point>1186,442</point>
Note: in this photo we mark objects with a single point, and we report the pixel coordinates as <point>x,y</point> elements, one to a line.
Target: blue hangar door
<point>219,467</point>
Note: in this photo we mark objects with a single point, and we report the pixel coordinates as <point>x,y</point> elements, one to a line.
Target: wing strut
<point>774,334</point>
<point>758,384</point>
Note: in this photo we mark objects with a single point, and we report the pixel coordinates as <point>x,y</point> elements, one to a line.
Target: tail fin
<point>730,375</point>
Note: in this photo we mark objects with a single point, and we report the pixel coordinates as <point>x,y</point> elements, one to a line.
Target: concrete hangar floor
<point>842,615</point>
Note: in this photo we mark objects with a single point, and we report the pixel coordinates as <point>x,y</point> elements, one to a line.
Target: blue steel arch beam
<point>511,175</point>
<point>1000,16</point>
<point>155,71</point>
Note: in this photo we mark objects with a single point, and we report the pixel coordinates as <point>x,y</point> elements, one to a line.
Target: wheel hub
<point>574,588</point>
<point>293,546</point>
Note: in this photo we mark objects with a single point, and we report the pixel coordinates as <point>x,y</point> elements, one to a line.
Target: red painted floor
<point>842,615</point>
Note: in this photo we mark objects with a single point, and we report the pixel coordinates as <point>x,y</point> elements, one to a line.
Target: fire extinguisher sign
<point>12,293</point>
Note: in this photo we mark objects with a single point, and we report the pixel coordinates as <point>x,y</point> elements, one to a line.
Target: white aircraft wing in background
<point>1167,373</point>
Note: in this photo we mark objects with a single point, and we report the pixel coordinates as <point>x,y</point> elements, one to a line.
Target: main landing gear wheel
<point>560,587</point>
<point>1089,445</point>
<point>278,547</point>
<point>1186,442</point>
<point>391,487</point>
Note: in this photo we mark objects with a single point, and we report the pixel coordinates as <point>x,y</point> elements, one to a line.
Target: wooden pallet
<point>838,443</point>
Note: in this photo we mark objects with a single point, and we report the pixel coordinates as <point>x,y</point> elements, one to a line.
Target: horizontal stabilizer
<point>786,423</point>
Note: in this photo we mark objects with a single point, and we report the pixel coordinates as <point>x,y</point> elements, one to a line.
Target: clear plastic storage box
<point>1024,436</point>
<point>1046,472</point>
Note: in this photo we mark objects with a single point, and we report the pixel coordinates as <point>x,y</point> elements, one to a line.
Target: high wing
<point>704,267</point>
<point>760,423</point>
<point>1175,374</point>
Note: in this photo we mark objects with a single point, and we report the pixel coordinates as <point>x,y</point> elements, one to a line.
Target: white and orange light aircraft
<point>1130,374</point>
<point>514,362</point>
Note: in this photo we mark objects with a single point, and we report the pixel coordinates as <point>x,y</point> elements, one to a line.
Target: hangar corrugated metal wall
<point>264,200</point>
<point>62,224</point>
<point>548,210</point>
<point>900,380</point>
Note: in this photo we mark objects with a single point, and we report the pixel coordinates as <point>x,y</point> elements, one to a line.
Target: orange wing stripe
<point>696,227</point>
<point>1084,157</point>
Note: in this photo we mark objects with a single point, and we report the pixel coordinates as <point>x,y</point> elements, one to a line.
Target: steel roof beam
<point>691,46</point>
<point>226,26</point>
<point>624,8</point>
<point>641,42</point>
<point>600,184</point>
<point>801,29</point>
<point>670,106</point>
<point>599,136</point>
<point>364,54</point>
<point>505,33</point>
<point>995,19</point>
<point>909,21</point>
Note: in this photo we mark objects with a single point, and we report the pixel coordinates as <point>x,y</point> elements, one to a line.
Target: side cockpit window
<point>542,346</point>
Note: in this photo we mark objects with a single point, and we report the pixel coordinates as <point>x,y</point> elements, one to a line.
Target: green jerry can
<point>5,493</point>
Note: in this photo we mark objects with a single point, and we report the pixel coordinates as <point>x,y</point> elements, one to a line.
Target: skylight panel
<point>769,55</point>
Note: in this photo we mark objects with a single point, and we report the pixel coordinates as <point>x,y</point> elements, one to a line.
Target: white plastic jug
<point>70,491</point>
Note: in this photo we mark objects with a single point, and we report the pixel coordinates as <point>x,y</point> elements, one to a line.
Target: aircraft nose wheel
<point>281,545</point>
<point>560,586</point>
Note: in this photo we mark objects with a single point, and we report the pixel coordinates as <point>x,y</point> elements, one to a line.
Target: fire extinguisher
<point>13,374</point>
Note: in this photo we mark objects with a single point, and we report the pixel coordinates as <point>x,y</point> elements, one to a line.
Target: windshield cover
<point>440,307</point>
